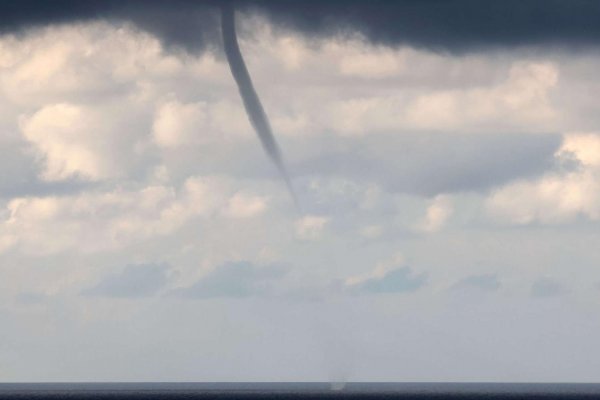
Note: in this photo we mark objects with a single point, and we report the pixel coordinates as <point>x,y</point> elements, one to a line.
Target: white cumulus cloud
<point>311,227</point>
<point>558,197</point>
<point>436,215</point>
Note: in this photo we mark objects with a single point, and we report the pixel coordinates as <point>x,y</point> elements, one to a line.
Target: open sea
<point>354,390</point>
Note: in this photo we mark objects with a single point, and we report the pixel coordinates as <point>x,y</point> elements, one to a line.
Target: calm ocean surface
<point>297,390</point>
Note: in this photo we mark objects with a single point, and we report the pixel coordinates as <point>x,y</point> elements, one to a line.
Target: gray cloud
<point>19,175</point>
<point>137,280</point>
<point>31,298</point>
<point>546,287</point>
<point>485,282</point>
<point>394,281</point>
<point>430,164</point>
<point>234,279</point>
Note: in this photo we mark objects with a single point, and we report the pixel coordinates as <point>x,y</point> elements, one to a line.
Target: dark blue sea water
<point>353,390</point>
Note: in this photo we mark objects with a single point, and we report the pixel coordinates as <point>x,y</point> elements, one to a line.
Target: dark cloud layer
<point>446,24</point>
<point>192,25</point>
<point>454,25</point>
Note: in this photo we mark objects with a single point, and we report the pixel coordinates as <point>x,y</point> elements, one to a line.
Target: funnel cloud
<point>254,109</point>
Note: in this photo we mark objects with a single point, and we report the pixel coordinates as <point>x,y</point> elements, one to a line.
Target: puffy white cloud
<point>553,199</point>
<point>386,90</point>
<point>389,276</point>
<point>379,272</point>
<point>311,227</point>
<point>520,102</point>
<point>371,231</point>
<point>436,215</point>
<point>177,124</point>
<point>80,61</point>
<point>557,197</point>
<point>101,221</point>
<point>78,142</point>
<point>115,108</point>
<point>585,147</point>
<point>242,205</point>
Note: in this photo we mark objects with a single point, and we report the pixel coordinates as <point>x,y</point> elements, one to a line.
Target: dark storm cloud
<point>192,25</point>
<point>439,24</point>
<point>444,24</point>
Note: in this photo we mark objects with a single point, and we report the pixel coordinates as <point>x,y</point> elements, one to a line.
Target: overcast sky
<point>447,176</point>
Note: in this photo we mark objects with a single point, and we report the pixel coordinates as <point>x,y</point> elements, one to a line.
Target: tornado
<point>254,109</point>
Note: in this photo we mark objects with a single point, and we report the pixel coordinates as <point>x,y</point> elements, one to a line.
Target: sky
<point>445,158</point>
